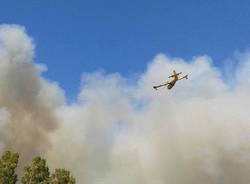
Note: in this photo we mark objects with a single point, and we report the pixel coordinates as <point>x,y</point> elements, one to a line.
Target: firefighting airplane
<point>171,83</point>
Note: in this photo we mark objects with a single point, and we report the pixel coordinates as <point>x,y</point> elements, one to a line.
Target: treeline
<point>36,173</point>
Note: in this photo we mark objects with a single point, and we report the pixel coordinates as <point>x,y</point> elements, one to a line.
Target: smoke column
<point>28,116</point>
<point>119,130</point>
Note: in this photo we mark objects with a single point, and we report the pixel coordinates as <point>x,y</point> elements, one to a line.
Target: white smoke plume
<point>28,114</point>
<point>122,131</point>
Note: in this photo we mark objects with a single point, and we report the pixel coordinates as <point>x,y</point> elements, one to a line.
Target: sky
<point>72,37</point>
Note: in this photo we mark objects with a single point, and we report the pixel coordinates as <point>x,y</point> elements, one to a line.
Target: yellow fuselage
<point>172,83</point>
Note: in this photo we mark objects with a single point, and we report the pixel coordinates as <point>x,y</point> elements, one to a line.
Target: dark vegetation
<point>35,173</point>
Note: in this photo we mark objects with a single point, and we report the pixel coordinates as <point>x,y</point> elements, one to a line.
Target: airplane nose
<point>169,86</point>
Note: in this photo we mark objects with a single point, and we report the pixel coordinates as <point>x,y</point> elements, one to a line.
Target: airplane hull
<point>171,84</point>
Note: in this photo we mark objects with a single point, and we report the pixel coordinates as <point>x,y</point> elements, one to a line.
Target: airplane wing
<point>161,85</point>
<point>185,77</point>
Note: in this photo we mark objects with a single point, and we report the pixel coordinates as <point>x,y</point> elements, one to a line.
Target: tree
<point>37,173</point>
<point>61,176</point>
<point>8,164</point>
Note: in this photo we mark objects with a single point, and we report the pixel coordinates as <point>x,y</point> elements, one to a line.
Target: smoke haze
<point>120,130</point>
<point>28,116</point>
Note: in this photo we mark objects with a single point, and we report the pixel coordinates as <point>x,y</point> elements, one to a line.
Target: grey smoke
<point>120,130</point>
<point>23,97</point>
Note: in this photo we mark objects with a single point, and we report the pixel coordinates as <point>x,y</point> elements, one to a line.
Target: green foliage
<point>36,173</point>
<point>8,164</point>
<point>61,176</point>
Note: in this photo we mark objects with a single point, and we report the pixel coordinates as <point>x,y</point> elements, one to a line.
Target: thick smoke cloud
<point>198,132</point>
<point>27,111</point>
<point>120,130</point>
